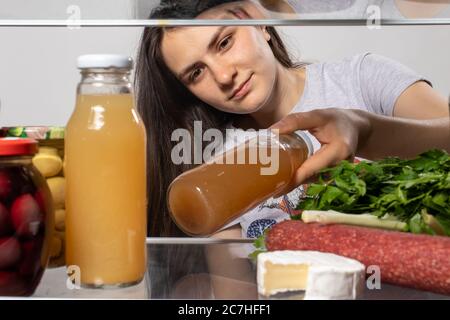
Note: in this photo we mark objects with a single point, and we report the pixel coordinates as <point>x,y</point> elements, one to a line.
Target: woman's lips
<point>244,90</point>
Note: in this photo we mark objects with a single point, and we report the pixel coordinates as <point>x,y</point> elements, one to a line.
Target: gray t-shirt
<point>366,81</point>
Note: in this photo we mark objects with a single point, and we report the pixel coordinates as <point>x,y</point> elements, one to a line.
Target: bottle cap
<point>307,140</point>
<point>104,61</point>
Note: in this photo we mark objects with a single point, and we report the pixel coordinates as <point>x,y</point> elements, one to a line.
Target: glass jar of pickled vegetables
<point>26,218</point>
<point>49,161</point>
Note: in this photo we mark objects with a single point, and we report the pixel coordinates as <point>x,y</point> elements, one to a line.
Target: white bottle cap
<point>104,61</point>
<point>307,140</point>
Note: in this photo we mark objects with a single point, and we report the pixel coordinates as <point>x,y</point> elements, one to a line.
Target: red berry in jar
<point>11,284</point>
<point>5,185</point>
<point>30,262</point>
<point>9,252</point>
<point>23,181</point>
<point>5,221</point>
<point>39,196</point>
<point>26,215</point>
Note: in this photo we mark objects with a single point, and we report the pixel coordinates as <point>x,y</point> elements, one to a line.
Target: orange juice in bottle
<point>206,198</point>
<point>105,168</point>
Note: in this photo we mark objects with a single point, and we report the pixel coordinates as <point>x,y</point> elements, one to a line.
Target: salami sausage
<point>405,259</point>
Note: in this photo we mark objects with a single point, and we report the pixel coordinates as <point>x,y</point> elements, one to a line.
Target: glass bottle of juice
<point>105,169</point>
<point>203,200</point>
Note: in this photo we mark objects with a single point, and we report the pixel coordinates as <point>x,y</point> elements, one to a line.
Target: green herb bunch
<point>415,191</point>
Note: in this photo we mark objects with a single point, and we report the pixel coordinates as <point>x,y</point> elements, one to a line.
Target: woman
<point>243,77</point>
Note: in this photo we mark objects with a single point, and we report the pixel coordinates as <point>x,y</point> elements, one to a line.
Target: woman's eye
<point>225,43</point>
<point>195,74</point>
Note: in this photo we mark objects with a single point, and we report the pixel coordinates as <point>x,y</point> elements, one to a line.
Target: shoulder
<point>338,74</point>
<point>355,61</point>
<point>341,66</point>
<point>375,65</point>
<point>363,67</point>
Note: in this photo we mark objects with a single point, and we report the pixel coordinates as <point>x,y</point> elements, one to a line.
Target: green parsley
<point>415,191</point>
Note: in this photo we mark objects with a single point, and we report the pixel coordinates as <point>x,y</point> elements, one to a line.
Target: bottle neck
<point>100,81</point>
<point>298,146</point>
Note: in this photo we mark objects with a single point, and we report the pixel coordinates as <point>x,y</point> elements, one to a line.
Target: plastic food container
<point>26,218</point>
<point>49,162</point>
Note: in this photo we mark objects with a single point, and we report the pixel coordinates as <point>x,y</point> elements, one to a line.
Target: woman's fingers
<point>328,155</point>
<point>335,130</point>
<point>300,121</point>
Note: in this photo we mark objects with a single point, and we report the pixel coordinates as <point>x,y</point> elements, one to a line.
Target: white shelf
<point>198,22</point>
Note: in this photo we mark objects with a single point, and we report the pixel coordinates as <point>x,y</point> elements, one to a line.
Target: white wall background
<point>63,9</point>
<point>38,75</point>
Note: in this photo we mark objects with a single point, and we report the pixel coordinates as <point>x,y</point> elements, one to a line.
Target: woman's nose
<point>224,74</point>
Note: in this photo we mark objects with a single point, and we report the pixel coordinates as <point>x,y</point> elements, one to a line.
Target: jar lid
<point>18,147</point>
<point>104,61</point>
<point>309,144</point>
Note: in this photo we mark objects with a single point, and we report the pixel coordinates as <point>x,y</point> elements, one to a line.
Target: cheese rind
<point>328,276</point>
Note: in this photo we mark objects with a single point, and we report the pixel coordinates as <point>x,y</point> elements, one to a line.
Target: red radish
<point>9,252</point>
<point>5,221</point>
<point>26,215</point>
<point>5,185</point>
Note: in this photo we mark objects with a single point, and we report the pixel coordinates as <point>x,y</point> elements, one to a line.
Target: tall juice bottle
<point>105,168</point>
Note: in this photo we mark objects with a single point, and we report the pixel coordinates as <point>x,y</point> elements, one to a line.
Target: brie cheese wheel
<point>321,275</point>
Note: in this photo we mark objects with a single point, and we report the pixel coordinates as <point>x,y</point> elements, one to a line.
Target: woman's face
<point>231,68</point>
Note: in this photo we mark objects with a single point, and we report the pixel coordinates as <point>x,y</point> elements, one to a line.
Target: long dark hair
<point>165,104</point>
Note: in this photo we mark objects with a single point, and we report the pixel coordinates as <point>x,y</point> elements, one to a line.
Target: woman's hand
<point>344,133</point>
<point>339,131</point>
